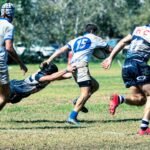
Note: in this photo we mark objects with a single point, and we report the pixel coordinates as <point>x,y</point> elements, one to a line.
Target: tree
<point>51,21</point>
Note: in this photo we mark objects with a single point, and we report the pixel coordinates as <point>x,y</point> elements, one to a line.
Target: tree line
<point>57,21</point>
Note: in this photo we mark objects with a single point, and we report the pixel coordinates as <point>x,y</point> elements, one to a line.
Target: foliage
<point>57,21</point>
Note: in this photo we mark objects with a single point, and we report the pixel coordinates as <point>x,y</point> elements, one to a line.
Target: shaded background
<point>45,23</point>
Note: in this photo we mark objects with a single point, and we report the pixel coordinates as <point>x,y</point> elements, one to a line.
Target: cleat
<point>83,109</point>
<point>144,132</point>
<point>73,121</point>
<point>114,102</point>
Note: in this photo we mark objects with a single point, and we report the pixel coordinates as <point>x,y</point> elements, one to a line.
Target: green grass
<point>38,122</point>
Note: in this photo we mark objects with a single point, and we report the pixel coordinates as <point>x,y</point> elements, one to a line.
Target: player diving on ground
<point>36,82</point>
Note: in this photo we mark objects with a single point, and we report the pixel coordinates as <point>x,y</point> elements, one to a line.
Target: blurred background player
<point>37,81</point>
<point>6,46</point>
<point>135,73</point>
<point>82,49</point>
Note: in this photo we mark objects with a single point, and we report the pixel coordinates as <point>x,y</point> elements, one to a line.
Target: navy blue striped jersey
<point>140,44</point>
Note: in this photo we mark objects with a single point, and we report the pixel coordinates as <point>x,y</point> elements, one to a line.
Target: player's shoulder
<point>92,37</point>
<point>141,27</point>
<point>6,24</point>
<point>75,39</point>
<point>96,38</point>
<point>11,26</point>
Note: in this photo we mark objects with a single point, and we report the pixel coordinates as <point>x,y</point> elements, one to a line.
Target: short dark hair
<point>91,28</point>
<point>49,68</point>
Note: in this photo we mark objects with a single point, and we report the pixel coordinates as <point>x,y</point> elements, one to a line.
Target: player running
<point>135,73</point>
<point>6,46</point>
<point>82,49</point>
<point>37,81</point>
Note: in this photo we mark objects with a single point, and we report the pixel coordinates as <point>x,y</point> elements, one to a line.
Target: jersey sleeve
<point>9,33</point>
<point>100,43</point>
<point>38,76</point>
<point>69,44</point>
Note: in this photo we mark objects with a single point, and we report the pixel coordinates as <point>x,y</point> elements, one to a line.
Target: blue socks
<point>73,115</point>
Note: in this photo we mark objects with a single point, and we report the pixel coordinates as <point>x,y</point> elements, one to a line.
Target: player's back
<point>83,47</point>
<point>140,44</point>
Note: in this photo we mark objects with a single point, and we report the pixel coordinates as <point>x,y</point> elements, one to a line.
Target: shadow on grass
<point>109,121</point>
<point>36,121</point>
<point>82,121</point>
<point>44,127</point>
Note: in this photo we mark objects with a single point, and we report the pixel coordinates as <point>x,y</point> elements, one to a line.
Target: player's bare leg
<point>85,94</point>
<point>94,88</point>
<point>4,95</point>
<point>136,97</point>
<point>144,129</point>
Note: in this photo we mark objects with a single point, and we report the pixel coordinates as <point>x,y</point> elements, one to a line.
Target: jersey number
<point>82,44</point>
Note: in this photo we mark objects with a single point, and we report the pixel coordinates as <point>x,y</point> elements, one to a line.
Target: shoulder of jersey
<point>8,23</point>
<point>92,36</point>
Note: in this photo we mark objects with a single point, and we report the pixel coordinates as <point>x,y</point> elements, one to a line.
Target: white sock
<point>121,99</point>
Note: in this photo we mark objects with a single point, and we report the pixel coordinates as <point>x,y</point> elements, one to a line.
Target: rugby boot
<point>144,132</point>
<point>73,121</point>
<point>114,102</point>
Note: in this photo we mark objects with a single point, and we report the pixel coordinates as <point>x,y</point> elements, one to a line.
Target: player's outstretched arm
<point>108,61</point>
<point>56,54</point>
<point>9,47</point>
<point>58,75</point>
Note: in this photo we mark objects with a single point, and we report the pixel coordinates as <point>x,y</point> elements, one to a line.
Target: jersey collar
<point>7,19</point>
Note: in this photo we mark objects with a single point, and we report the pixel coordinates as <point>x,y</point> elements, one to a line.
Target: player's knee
<point>3,100</point>
<point>140,100</point>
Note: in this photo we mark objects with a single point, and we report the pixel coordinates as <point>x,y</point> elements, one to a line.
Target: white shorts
<point>4,77</point>
<point>82,73</point>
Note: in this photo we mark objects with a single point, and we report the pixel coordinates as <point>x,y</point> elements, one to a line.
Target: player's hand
<point>44,63</point>
<point>71,68</point>
<point>106,64</point>
<point>23,68</point>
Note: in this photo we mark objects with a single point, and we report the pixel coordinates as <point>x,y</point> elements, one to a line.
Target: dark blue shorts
<point>135,73</point>
<point>19,89</point>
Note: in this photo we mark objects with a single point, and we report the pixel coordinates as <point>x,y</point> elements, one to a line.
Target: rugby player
<point>82,49</point>
<point>37,81</point>
<point>6,46</point>
<point>135,73</point>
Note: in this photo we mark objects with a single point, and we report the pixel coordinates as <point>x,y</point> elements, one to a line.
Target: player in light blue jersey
<point>135,73</point>
<point>82,49</point>
<point>6,46</point>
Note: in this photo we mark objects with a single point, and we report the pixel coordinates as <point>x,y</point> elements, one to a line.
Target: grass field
<point>38,122</point>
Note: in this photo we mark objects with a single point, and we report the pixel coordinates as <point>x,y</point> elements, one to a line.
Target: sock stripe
<point>144,125</point>
<point>121,99</point>
<point>145,122</point>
